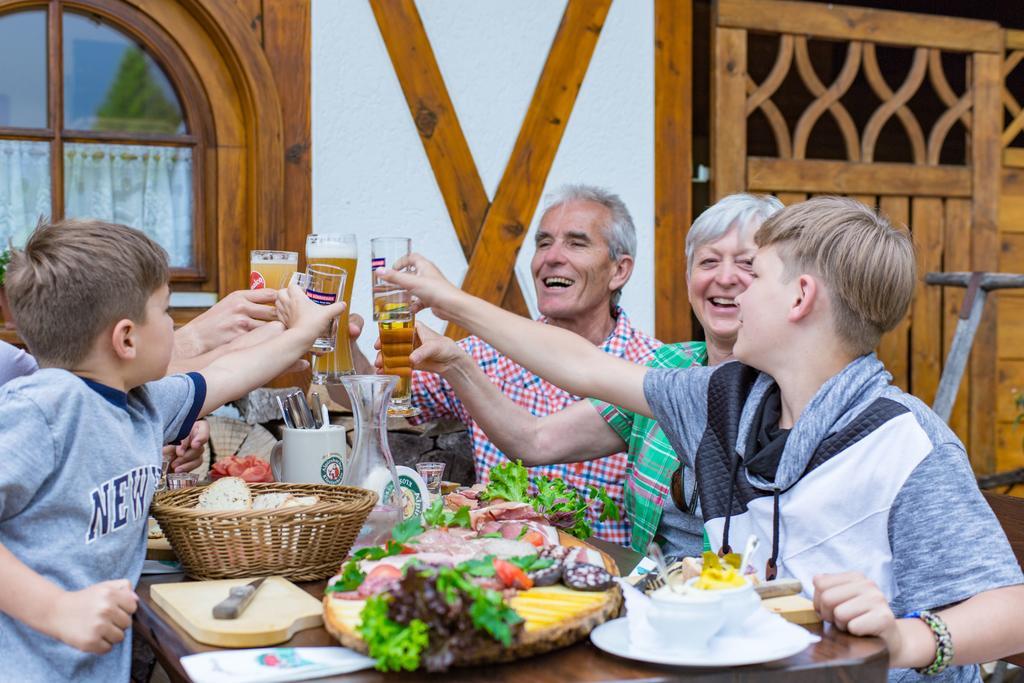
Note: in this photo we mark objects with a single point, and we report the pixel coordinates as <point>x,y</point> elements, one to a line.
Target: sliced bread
<point>299,501</point>
<point>270,501</point>
<point>227,493</point>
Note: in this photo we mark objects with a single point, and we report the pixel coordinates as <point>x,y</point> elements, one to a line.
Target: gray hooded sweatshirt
<point>869,480</point>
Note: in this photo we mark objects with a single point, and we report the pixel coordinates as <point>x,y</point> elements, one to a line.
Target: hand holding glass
<point>393,313</point>
<point>323,284</point>
<point>341,251</point>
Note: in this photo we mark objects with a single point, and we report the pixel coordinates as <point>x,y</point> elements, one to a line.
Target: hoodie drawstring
<point>771,569</point>
<point>725,549</point>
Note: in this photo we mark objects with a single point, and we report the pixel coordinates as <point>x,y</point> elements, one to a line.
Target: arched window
<point>102,117</point>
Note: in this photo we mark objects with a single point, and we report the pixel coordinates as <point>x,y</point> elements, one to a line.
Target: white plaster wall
<point>372,177</point>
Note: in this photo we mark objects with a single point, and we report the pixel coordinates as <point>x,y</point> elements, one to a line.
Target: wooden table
<point>838,657</point>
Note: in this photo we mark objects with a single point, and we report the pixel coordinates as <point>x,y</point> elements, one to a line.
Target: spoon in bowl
<point>654,551</point>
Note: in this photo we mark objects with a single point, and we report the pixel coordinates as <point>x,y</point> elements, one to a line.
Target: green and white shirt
<point>651,459</point>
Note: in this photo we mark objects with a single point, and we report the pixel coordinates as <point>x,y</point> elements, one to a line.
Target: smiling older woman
<point>661,500</point>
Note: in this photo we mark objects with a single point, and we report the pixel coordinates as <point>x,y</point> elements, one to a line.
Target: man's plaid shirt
<point>436,400</point>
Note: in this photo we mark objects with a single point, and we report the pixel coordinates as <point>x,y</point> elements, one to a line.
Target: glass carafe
<point>370,465</point>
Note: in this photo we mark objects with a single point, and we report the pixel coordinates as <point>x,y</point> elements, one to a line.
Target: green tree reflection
<point>135,101</point>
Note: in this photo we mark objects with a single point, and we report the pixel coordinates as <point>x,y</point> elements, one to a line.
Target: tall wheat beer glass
<point>392,311</point>
<point>271,268</point>
<point>342,251</point>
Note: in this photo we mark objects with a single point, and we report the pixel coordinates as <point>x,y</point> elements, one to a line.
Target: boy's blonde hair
<point>76,278</point>
<point>867,264</point>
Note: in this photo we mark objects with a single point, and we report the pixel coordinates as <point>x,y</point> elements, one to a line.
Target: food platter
<point>467,587</point>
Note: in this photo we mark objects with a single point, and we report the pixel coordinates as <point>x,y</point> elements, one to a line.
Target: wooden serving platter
<point>554,617</point>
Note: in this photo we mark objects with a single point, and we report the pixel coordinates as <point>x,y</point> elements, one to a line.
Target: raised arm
<point>575,434</point>
<point>561,357</point>
<point>233,375</point>
<point>239,312</point>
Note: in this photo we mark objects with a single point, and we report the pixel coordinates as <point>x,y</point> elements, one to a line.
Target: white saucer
<point>767,637</point>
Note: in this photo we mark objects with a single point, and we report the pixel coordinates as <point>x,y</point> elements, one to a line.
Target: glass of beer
<point>341,251</point>
<point>392,311</point>
<point>271,268</point>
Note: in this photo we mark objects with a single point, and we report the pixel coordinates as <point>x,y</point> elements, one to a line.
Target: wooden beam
<point>728,117</point>
<point>673,165</point>
<point>956,257</point>
<point>839,22</point>
<point>926,310</point>
<point>1013,156</point>
<point>286,41</point>
<point>767,174</point>
<point>894,347</point>
<point>285,29</point>
<point>1014,39</point>
<point>493,259</point>
<point>986,165</point>
<point>438,126</point>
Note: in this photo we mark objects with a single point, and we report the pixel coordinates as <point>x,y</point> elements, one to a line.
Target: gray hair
<point>619,232</point>
<point>736,210</point>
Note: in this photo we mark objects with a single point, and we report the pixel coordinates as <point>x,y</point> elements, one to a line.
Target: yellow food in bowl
<point>719,578</point>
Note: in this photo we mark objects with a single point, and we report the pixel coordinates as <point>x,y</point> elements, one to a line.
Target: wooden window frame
<point>191,96</point>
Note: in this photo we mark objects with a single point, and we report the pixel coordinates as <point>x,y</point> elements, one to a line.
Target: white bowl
<point>737,604</point>
<point>685,621</point>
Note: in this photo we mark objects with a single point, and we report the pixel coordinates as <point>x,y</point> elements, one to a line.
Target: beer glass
<point>392,311</point>
<point>341,251</point>
<point>323,284</point>
<point>271,268</point>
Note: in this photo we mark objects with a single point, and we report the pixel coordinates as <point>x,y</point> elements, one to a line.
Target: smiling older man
<point>585,247</point>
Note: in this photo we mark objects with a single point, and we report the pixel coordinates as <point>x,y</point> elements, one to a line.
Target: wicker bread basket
<point>304,543</point>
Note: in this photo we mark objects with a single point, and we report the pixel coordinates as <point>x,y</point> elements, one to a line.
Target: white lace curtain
<point>149,188</point>
<point>24,188</point>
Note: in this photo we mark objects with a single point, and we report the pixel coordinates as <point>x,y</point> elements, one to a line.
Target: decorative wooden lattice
<point>1013,142</point>
<point>950,207</point>
<point>860,145</point>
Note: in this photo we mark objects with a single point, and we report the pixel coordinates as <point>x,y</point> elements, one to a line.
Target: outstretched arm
<point>233,375</point>
<point>575,434</point>
<point>559,356</point>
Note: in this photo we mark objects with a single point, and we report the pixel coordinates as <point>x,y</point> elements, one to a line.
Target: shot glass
<point>181,480</point>
<point>433,474</point>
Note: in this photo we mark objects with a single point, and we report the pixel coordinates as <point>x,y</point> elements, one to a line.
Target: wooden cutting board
<point>793,608</point>
<point>279,609</point>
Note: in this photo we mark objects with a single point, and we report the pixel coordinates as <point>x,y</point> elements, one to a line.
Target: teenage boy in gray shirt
<point>81,438</point>
<point>853,487</point>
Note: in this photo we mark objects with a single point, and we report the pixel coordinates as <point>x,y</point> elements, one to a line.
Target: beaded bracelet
<point>943,643</point>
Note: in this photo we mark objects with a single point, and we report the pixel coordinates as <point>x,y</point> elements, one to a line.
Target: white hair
<point>619,232</point>
<point>746,212</point>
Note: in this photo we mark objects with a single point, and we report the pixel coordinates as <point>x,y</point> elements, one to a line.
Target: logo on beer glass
<point>377,263</point>
<point>332,470</point>
<point>256,280</point>
<point>322,298</point>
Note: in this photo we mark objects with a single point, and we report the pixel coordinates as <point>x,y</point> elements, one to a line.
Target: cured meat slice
<point>503,512</point>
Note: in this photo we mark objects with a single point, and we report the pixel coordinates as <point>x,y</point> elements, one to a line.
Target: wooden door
<point>820,147</point>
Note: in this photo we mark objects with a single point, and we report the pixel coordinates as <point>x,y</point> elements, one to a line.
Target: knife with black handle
<point>238,599</point>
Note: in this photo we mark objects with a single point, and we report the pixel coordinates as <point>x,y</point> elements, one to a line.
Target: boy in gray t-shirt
<point>852,486</point>
<point>80,438</point>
